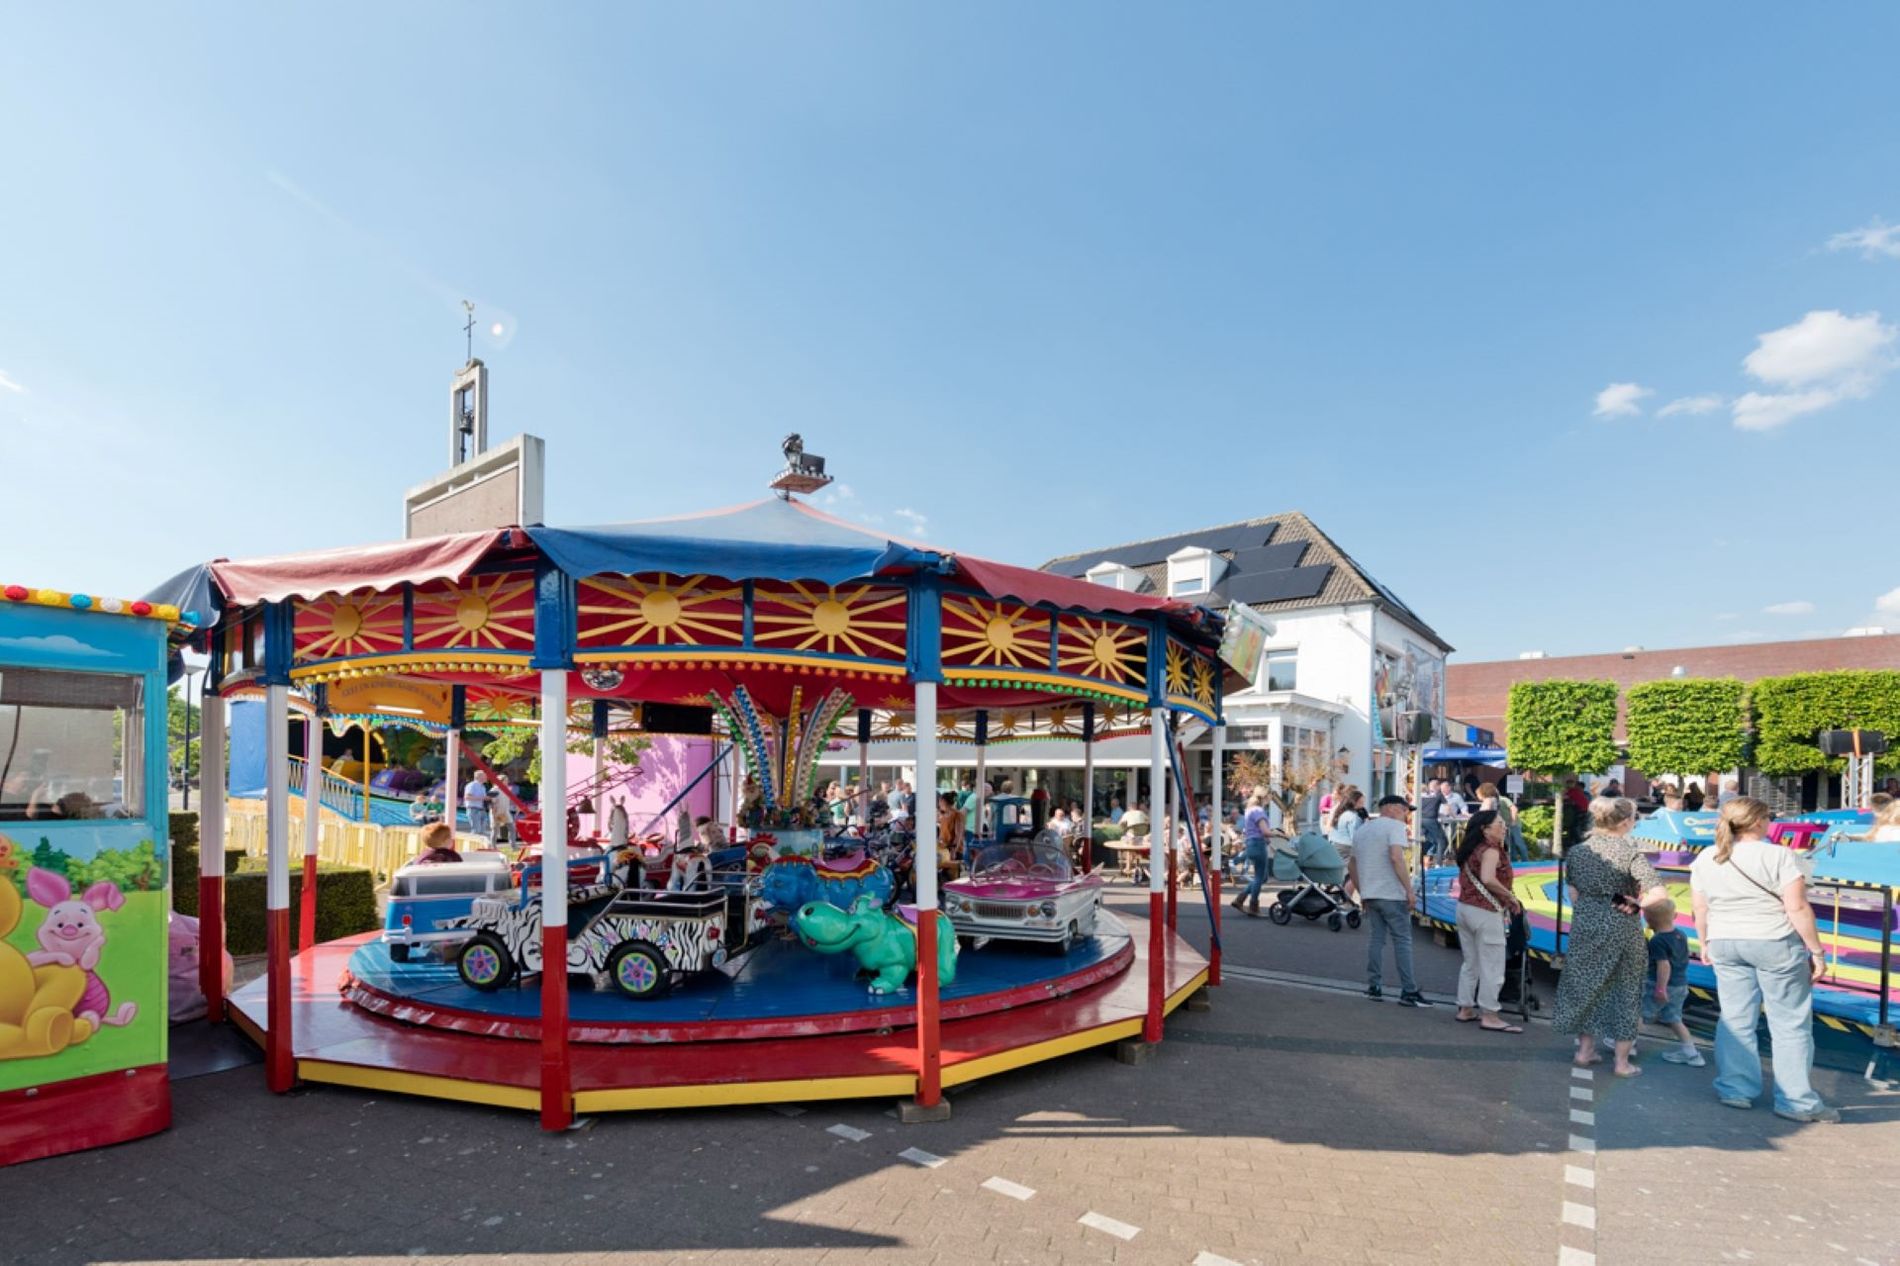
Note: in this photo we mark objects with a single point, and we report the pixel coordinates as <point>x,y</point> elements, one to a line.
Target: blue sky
<point>1038,278</point>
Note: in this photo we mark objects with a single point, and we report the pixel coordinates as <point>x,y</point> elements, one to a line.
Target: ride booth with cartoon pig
<point>83,871</point>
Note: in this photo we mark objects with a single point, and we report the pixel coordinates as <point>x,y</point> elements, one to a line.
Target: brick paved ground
<point>1287,1124</point>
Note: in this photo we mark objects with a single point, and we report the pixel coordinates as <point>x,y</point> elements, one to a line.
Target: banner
<point>1244,640</point>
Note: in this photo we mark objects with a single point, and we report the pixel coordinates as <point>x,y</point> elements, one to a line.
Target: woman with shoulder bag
<point>1757,932</point>
<point>1486,905</point>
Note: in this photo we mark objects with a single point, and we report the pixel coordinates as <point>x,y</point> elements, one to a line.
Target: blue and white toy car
<point>424,897</point>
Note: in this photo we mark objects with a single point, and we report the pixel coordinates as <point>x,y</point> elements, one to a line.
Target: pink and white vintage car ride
<point>1024,890</point>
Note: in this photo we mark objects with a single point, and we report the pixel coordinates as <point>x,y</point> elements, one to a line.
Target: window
<point>1185,585</point>
<point>1281,670</point>
<point>72,745</point>
<point>1116,576</point>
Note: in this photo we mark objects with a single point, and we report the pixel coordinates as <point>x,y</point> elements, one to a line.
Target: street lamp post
<point>189,674</point>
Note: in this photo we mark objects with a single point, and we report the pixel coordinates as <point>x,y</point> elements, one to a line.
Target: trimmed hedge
<point>1788,711</point>
<point>346,905</point>
<point>1688,727</point>
<point>1562,727</point>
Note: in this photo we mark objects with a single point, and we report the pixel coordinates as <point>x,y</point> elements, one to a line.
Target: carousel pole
<point>929,1104</point>
<point>1088,785</point>
<point>1216,829</point>
<point>280,1061</point>
<point>211,859</point>
<point>980,803</point>
<point>312,798</point>
<point>864,768</point>
<point>556,1077</point>
<point>1157,873</point>
<point>1172,791</point>
<point>452,756</point>
<point>367,735</point>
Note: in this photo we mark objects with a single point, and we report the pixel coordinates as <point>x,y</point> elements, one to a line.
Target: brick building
<point>1478,693</point>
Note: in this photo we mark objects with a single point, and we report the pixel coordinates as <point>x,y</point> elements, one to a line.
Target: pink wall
<point>668,765</point>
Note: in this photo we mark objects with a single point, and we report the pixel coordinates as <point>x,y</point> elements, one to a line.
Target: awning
<point>1030,586</point>
<point>1469,755</point>
<point>767,540</point>
<point>373,567</point>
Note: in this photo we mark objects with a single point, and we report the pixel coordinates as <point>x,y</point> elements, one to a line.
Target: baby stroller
<point>1318,872</point>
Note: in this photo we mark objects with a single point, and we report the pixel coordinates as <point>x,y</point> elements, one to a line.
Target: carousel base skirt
<point>786,1025</point>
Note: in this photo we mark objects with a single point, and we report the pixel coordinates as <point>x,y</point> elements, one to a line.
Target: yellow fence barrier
<point>379,849</point>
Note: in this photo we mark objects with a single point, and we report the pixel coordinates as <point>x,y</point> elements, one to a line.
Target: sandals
<point>1631,1071</point>
<point>1501,1028</point>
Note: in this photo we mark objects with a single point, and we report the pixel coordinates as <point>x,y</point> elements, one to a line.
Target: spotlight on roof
<point>804,472</point>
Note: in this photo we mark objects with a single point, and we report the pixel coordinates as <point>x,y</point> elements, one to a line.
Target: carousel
<point>791,967</point>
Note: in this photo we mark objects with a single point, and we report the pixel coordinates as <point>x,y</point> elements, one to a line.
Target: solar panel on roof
<point>1265,558</point>
<point>1231,539</point>
<point>1279,586</point>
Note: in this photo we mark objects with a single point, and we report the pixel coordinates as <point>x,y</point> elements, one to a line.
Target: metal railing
<point>333,793</point>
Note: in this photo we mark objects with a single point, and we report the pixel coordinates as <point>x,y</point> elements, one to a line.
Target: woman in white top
<point>1757,932</point>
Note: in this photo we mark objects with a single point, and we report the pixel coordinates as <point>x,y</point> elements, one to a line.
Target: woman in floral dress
<point>1600,992</point>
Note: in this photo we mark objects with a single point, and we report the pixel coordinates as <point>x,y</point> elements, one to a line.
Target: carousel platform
<point>784,1026</point>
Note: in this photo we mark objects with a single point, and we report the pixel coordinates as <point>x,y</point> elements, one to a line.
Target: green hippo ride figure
<point>885,945</point>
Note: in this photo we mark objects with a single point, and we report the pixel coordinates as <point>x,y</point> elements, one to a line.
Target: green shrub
<point>185,863</point>
<point>1788,710</point>
<point>1107,833</point>
<point>346,904</point>
<point>1690,726</point>
<point>1562,727</point>
<point>1535,823</point>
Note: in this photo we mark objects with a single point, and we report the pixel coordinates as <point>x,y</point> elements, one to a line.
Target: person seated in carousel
<point>438,845</point>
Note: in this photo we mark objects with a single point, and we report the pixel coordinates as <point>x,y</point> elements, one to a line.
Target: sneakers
<point>1374,992</point>
<point>1743,1104</point>
<point>1820,1116</point>
<point>1414,999</point>
<point>1688,1055</point>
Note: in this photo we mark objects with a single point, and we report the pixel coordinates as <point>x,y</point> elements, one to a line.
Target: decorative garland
<point>109,606</point>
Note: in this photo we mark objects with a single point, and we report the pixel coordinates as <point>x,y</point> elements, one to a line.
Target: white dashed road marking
<point>1099,1222</point>
<point>1580,1117</point>
<point>1577,1176</point>
<point>1582,1092</point>
<point>1583,1074</point>
<point>918,1156</point>
<point>1213,1259</point>
<point>850,1133</point>
<point>1580,1215</point>
<point>1004,1187</point>
<point>1578,1143</point>
<point>1568,1256</point>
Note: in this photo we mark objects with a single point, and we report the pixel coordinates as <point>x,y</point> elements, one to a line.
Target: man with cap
<point>1378,875</point>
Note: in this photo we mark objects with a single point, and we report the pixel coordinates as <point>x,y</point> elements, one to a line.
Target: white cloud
<point>1822,346</point>
<point>1619,400</point>
<point>1872,240</point>
<point>1789,608</point>
<point>1888,603</point>
<point>7,383</point>
<point>1708,403</point>
<point>914,523</point>
<point>1822,359</point>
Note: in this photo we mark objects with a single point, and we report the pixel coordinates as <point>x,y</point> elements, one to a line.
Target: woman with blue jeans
<point>1254,827</point>
<point>1757,932</point>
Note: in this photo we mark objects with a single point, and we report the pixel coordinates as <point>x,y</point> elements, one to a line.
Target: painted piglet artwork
<point>72,936</point>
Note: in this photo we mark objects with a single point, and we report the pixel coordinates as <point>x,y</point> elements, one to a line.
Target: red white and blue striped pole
<point>312,799</point>
<point>211,858</point>
<point>1157,872</point>
<point>929,1050</point>
<point>557,1103</point>
<point>280,1063</point>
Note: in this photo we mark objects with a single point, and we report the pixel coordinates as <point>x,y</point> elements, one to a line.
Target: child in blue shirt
<point>1667,985</point>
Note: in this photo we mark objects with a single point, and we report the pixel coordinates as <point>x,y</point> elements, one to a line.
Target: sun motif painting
<point>861,620</point>
<point>1105,649</point>
<point>660,609</point>
<point>1000,634</point>
<point>480,613</point>
<point>333,627</point>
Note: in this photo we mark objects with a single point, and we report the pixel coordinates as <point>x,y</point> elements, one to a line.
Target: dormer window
<point>1115,576</point>
<point>1192,571</point>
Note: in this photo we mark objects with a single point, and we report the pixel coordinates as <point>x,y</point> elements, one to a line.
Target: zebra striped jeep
<point>639,941</point>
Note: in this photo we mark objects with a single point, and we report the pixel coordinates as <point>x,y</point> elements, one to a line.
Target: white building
<point>1346,660</point>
